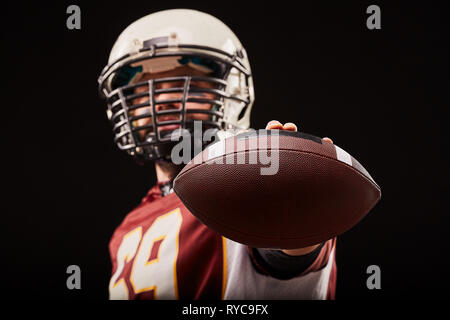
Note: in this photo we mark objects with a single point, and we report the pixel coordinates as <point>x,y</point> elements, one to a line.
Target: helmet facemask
<point>145,130</point>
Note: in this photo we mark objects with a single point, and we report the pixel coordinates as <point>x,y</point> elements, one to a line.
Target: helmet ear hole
<point>242,113</point>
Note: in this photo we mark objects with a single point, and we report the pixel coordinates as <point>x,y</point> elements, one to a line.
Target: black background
<point>379,94</point>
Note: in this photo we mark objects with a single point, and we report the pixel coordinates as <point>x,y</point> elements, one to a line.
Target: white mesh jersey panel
<point>245,283</point>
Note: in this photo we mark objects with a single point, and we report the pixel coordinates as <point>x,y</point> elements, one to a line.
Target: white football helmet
<point>161,42</point>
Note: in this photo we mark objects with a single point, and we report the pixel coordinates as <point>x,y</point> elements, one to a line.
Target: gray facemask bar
<point>127,133</point>
<point>119,100</point>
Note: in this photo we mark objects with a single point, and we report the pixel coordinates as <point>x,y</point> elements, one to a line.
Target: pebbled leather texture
<point>312,198</point>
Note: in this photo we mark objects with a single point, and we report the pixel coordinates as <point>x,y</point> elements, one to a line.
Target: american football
<point>276,189</point>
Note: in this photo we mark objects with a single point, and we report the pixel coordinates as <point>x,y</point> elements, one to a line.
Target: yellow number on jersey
<point>157,274</point>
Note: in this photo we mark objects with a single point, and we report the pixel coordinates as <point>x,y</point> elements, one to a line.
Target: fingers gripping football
<point>289,126</point>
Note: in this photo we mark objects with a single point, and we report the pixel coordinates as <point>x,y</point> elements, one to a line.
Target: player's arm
<point>276,125</point>
<point>289,262</point>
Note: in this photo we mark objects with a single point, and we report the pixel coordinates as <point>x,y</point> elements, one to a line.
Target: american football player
<point>167,71</point>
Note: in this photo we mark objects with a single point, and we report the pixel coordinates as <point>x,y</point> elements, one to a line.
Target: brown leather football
<point>276,189</point>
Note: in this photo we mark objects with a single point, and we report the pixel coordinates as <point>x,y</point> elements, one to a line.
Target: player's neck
<point>166,171</point>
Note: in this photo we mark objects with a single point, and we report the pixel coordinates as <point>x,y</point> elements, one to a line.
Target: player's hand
<point>289,126</point>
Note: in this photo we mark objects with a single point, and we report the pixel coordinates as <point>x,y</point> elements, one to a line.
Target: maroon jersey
<point>161,251</point>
